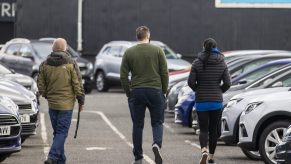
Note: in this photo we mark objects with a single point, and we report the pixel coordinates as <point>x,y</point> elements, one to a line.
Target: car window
<point>114,51</point>
<point>267,80</point>
<point>260,73</point>
<point>170,54</point>
<point>25,51</point>
<point>286,81</point>
<point>255,64</point>
<point>4,70</point>
<point>13,49</point>
<point>42,49</point>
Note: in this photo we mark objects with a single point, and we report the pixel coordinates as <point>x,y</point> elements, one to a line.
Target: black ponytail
<point>208,45</point>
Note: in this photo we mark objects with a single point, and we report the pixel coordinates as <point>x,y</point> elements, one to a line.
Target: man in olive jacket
<point>59,81</point>
<point>149,82</point>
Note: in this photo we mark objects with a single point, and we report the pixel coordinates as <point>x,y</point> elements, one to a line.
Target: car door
<point>26,60</point>
<point>11,56</point>
<point>112,59</point>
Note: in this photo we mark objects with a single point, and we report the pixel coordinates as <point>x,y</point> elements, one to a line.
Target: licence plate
<point>24,118</point>
<point>4,130</point>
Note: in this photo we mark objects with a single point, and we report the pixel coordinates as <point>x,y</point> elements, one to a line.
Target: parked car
<point>172,96</point>
<point>283,149</point>
<point>27,104</point>
<point>246,64</point>
<point>231,115</point>
<point>108,61</point>
<point>23,80</point>
<point>273,79</point>
<point>10,128</point>
<point>24,56</point>
<point>260,71</point>
<point>264,122</point>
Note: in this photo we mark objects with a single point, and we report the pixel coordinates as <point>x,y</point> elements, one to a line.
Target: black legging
<point>209,122</point>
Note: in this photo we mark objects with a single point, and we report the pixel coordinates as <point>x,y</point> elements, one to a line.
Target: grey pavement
<point>104,137</point>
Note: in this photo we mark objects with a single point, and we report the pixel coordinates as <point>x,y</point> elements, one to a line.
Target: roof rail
<point>19,40</point>
<point>47,39</point>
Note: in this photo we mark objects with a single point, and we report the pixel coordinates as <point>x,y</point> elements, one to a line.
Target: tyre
<point>101,82</point>
<point>271,136</point>
<point>253,155</point>
<point>87,89</point>
<point>3,157</point>
<point>23,138</point>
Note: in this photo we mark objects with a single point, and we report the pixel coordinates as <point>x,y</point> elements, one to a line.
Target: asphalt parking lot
<point>105,137</point>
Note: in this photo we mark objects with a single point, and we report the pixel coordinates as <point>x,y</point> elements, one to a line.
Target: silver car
<point>108,61</point>
<point>27,104</point>
<point>264,122</point>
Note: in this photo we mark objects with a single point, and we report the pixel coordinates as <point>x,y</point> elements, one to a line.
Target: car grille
<point>24,106</point>
<point>7,120</point>
<point>28,129</point>
<point>83,68</point>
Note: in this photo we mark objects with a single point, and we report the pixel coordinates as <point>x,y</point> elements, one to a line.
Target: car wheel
<point>270,138</point>
<point>87,89</point>
<point>101,82</point>
<point>3,157</point>
<point>253,155</point>
<point>23,138</point>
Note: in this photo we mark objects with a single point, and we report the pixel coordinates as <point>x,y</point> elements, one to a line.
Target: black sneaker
<point>211,161</point>
<point>50,161</point>
<point>158,157</point>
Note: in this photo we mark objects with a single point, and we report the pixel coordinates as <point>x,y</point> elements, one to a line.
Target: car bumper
<point>30,128</point>
<point>10,145</point>
<point>283,153</point>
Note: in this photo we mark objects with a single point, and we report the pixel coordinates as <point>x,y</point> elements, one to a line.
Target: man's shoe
<point>158,157</point>
<point>137,162</point>
<point>211,161</point>
<point>204,158</point>
<point>50,161</point>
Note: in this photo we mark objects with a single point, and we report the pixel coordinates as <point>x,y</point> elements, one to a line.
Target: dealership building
<point>183,25</point>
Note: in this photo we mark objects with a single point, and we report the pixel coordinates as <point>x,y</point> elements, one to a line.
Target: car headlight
<point>232,102</point>
<point>287,136</point>
<point>250,107</point>
<point>90,66</point>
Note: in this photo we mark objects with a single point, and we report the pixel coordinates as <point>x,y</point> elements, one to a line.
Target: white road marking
<point>168,127</point>
<point>44,135</point>
<point>193,144</point>
<point>108,122</point>
<point>74,120</point>
<point>97,148</point>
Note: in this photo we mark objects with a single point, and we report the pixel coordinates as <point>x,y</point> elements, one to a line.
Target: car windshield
<point>255,75</point>
<point>170,54</point>
<point>44,49</point>
<point>4,70</point>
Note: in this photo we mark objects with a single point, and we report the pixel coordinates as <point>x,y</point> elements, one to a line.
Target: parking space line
<point>193,144</point>
<point>46,146</point>
<point>116,131</point>
<point>168,127</point>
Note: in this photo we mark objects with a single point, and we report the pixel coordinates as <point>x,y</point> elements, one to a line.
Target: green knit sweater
<point>148,67</point>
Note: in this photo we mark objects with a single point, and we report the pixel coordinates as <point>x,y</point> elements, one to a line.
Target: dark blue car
<point>259,72</point>
<point>283,149</point>
<point>10,128</point>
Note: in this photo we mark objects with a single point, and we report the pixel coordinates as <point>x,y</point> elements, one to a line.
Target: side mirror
<point>243,81</point>
<point>179,56</point>
<point>13,71</point>
<point>277,84</point>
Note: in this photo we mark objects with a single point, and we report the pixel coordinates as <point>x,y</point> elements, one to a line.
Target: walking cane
<point>77,125</point>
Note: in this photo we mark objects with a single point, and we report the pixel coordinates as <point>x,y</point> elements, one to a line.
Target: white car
<point>263,123</point>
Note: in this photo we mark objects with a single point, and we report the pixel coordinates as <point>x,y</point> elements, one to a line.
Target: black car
<point>24,56</point>
<point>283,149</point>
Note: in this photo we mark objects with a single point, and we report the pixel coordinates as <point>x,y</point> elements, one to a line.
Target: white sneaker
<point>158,157</point>
<point>204,157</point>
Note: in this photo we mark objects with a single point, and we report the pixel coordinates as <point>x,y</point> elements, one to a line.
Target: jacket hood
<point>58,58</point>
<point>214,58</point>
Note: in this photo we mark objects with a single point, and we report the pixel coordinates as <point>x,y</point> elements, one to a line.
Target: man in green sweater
<point>59,81</point>
<point>146,88</point>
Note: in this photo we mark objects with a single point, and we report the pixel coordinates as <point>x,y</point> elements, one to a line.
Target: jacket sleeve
<point>192,78</point>
<point>164,74</point>
<point>124,72</point>
<point>77,83</point>
<point>226,80</point>
<point>41,81</point>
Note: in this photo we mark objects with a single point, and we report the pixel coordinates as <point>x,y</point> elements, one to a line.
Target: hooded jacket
<point>206,76</point>
<point>59,81</point>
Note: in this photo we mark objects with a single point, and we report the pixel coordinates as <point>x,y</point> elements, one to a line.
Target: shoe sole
<point>158,157</point>
<point>204,159</point>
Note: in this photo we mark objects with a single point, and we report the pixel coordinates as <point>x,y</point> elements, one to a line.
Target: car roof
<point>132,43</point>
<point>250,52</point>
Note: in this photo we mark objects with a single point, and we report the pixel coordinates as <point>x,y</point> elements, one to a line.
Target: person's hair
<point>59,44</point>
<point>208,44</point>
<point>142,32</point>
